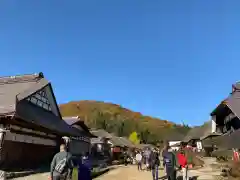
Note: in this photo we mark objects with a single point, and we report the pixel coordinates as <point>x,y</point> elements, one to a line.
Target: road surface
<point>119,173</point>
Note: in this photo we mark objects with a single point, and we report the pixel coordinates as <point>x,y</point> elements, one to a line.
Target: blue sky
<point>175,60</point>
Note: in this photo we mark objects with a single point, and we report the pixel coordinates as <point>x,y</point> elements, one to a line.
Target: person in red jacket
<point>182,161</point>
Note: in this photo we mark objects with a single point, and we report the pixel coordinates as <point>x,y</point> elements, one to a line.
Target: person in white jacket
<point>139,161</point>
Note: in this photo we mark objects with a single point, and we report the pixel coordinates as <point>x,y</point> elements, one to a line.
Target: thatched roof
<point>17,88</point>
<point>73,121</point>
<point>174,136</point>
<point>101,133</point>
<point>232,102</point>
<point>228,141</point>
<point>14,100</point>
<point>116,141</point>
<point>126,142</point>
<point>198,132</point>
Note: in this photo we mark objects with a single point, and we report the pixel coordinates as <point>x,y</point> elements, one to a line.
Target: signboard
<point>199,145</point>
<point>81,138</point>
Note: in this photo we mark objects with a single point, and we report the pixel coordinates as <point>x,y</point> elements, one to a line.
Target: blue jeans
<point>155,172</point>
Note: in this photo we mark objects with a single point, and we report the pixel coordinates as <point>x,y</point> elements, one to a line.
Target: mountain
<point>121,121</point>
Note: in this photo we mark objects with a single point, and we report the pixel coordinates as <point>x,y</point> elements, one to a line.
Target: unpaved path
<point>119,173</point>
<point>128,173</point>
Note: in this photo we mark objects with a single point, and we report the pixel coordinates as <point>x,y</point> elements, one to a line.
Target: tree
<point>134,138</point>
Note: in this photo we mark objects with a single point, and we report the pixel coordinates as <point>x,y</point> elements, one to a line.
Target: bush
<point>235,169</point>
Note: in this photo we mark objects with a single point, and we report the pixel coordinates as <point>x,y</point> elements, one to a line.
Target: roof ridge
<point>21,78</point>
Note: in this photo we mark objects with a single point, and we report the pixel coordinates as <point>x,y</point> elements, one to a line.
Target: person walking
<point>170,163</point>
<point>164,151</point>
<point>182,161</point>
<point>139,161</point>
<point>154,164</point>
<point>62,165</point>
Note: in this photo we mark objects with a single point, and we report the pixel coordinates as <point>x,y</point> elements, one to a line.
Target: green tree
<point>133,137</point>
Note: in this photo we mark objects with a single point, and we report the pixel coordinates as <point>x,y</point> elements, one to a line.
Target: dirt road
<point>120,173</point>
<point>128,173</point>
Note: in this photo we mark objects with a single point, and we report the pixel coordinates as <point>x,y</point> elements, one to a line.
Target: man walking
<point>155,162</point>
<point>170,163</point>
<point>139,161</point>
<point>61,166</point>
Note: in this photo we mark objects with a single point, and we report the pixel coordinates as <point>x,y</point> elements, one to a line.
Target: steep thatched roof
<point>101,133</point>
<point>126,142</point>
<point>116,141</point>
<point>198,132</point>
<point>228,141</point>
<point>174,136</point>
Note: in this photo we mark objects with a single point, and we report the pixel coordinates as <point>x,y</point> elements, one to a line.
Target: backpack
<point>61,166</point>
<point>169,160</point>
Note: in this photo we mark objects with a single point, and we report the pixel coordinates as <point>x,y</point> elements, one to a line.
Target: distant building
<point>79,145</point>
<point>31,125</point>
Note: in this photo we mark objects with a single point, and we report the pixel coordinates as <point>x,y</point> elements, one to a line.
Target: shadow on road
<point>180,178</point>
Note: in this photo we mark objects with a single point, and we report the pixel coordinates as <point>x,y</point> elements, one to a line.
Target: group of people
<point>171,162</point>
<point>64,164</point>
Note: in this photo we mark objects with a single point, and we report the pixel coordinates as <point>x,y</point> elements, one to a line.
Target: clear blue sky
<point>175,60</point>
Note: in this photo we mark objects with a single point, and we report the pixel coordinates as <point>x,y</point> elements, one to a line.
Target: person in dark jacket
<point>170,164</point>
<point>62,165</point>
<point>154,164</point>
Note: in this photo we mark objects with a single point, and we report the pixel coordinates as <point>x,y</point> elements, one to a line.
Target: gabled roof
<point>16,88</point>
<point>126,142</point>
<point>116,141</point>
<point>228,141</point>
<point>174,136</point>
<point>77,121</point>
<point>101,133</point>
<point>195,133</point>
<point>232,102</point>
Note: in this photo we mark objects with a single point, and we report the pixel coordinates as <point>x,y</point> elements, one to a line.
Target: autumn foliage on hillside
<point>121,121</point>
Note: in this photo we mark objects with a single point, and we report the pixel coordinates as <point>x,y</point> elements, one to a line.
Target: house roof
<point>77,121</point>
<point>101,133</point>
<point>116,141</point>
<point>175,136</point>
<point>16,88</point>
<point>232,102</point>
<point>228,141</point>
<point>127,142</point>
<point>198,132</point>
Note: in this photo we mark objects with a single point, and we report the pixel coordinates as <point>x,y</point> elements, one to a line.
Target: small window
<point>38,96</point>
<point>40,103</point>
<point>45,106</point>
<point>33,100</point>
<point>44,99</point>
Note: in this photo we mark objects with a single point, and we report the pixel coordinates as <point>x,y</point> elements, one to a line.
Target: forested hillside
<point>122,121</point>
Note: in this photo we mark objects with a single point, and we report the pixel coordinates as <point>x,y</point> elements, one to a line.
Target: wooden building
<point>82,145</point>
<point>31,125</point>
<point>226,119</point>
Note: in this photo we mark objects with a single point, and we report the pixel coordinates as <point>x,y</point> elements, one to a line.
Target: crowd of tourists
<point>66,167</point>
<point>149,160</point>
